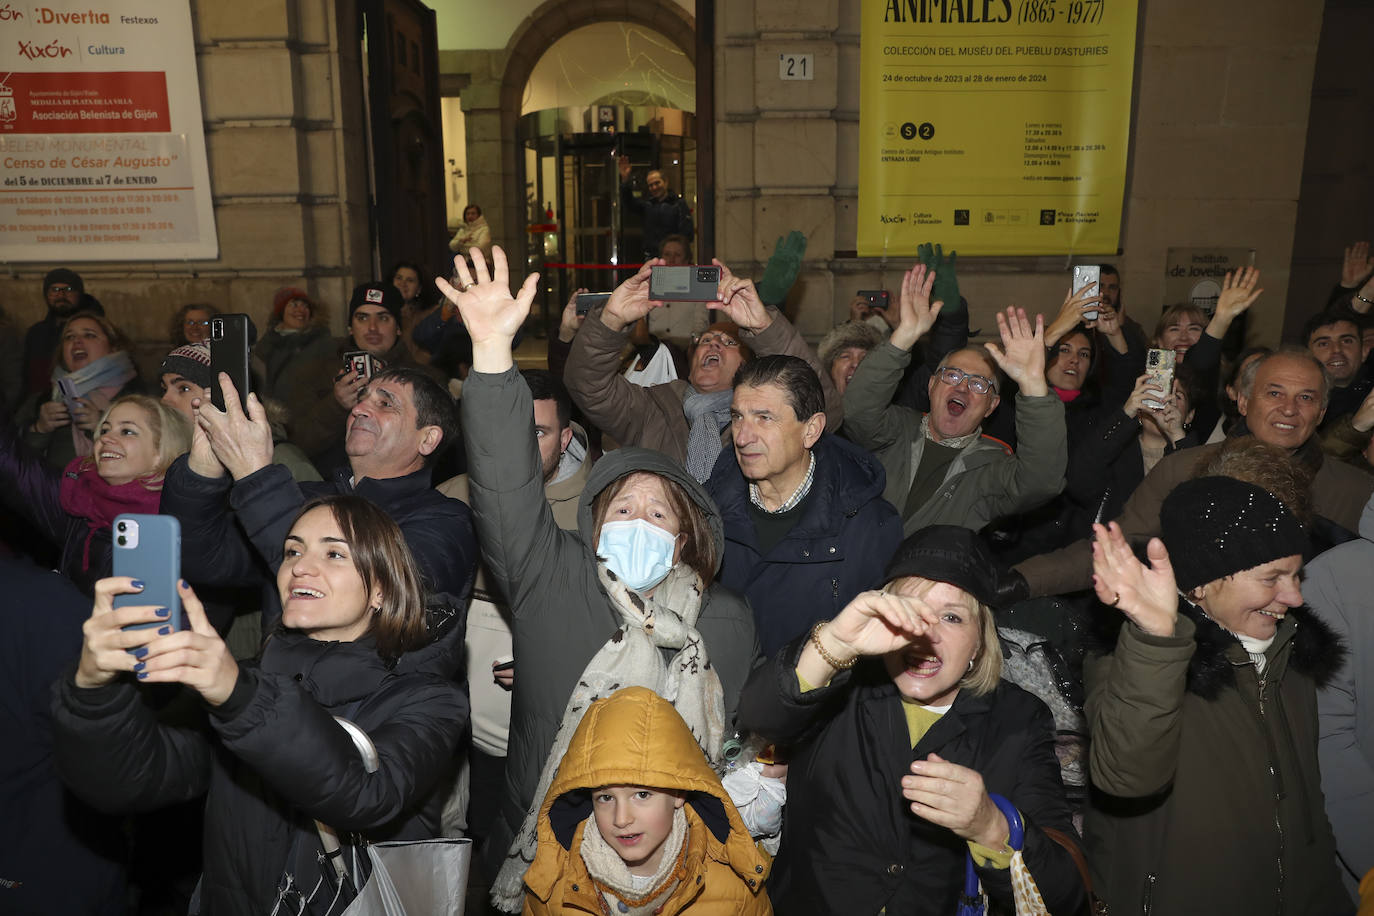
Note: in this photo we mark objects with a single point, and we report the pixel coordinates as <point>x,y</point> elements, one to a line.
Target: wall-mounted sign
<point>994,127</point>
<point>102,144</point>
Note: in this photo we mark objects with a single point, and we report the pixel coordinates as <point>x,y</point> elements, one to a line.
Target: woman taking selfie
<point>900,731</point>
<point>355,641</point>
<point>629,599</point>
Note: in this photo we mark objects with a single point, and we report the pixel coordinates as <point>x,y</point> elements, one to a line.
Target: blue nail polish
<point>164,612</point>
<point>183,583</point>
<point>136,583</point>
<point>140,652</point>
<point>140,666</point>
<point>163,631</point>
<point>142,675</point>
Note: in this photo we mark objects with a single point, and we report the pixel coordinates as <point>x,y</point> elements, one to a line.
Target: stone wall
<point>280,90</point>
<point>1221,109</point>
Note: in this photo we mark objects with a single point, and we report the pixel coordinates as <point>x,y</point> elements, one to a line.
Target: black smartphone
<point>148,548</point>
<point>361,362</point>
<point>877,298</point>
<point>697,283</point>
<point>588,301</point>
<point>229,343</point>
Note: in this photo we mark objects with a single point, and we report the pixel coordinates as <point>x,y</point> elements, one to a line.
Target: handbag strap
<point>1095,906</point>
<point>971,901</point>
<point>329,837</point>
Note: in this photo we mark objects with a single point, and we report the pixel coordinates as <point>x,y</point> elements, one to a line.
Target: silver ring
<point>464,287</point>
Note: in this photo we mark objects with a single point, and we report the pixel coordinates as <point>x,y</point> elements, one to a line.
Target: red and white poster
<point>102,147</point>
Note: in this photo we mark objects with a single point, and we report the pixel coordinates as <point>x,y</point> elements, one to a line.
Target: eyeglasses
<point>197,322</point>
<point>976,383</point>
<point>61,289</point>
<point>728,343</point>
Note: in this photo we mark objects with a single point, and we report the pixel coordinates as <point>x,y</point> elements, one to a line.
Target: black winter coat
<point>850,843</point>
<point>838,547</point>
<point>273,759</point>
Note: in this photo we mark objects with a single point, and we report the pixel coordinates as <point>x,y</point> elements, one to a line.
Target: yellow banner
<point>994,126</point>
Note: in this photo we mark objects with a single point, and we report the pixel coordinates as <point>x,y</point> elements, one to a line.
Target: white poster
<point>101,135</point>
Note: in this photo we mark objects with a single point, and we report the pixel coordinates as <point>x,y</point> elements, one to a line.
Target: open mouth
<point>710,360</point>
<point>1276,615</point>
<point>630,839</point>
<point>920,664</point>
<point>955,406</point>
<point>111,456</point>
<point>1284,427</point>
<point>306,593</point>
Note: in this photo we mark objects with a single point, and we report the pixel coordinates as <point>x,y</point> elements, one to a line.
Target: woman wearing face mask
<point>355,640</point>
<point>136,439</point>
<point>1203,715</point>
<point>628,599</point>
<point>901,730</point>
<point>94,361</point>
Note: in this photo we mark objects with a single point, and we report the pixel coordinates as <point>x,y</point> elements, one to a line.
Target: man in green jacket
<point>941,469</point>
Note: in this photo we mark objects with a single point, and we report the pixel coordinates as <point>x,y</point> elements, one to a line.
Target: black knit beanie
<point>190,361</point>
<point>1216,526</point>
<point>380,294</point>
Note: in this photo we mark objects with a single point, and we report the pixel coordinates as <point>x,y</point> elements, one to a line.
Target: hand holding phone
<point>1085,275</point>
<point>147,548</point>
<point>588,301</point>
<point>877,298</point>
<point>1159,368</point>
<point>230,340</point>
<point>697,283</point>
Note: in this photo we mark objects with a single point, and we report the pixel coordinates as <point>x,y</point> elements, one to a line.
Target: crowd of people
<point>898,623</point>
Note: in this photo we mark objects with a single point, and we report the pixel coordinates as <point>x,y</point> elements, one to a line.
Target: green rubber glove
<point>782,269</point>
<point>946,287</point>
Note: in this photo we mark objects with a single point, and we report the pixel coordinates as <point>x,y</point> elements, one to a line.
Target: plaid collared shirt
<point>797,496</point>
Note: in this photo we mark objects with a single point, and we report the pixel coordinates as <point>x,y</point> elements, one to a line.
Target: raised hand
<point>630,300</point>
<point>953,796</point>
<point>490,313</point>
<point>88,410</point>
<point>571,322</point>
<point>241,441</point>
<point>1147,596</point>
<point>1239,290</point>
<point>348,387</point>
<point>1144,388</point>
<point>1357,266</point>
<point>740,300</point>
<point>1071,313</point>
<point>916,314</point>
<point>947,283</point>
<point>1022,354</point>
<point>202,459</point>
<point>1363,420</point>
<point>859,309</point>
<point>196,657</point>
<point>622,165</point>
<point>105,641</point>
<point>875,623</point>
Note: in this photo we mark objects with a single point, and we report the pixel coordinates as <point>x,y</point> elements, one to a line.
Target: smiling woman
<point>269,756</point>
<point>1203,714</point>
<point>137,439</point>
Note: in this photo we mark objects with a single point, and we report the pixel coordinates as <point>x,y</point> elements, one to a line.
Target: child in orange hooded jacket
<point>636,822</point>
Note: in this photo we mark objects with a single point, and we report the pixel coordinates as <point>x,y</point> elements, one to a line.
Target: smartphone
<point>70,395</point>
<point>588,301</point>
<point>877,298</point>
<point>361,362</point>
<point>698,283</point>
<point>1159,366</point>
<point>148,548</point>
<point>229,343</point>
<point>504,663</point>
<point>1083,274</point>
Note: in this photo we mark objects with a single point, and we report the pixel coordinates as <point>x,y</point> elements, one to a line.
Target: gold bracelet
<point>830,660</point>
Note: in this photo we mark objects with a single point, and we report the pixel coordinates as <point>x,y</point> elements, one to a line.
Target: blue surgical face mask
<point>638,552</point>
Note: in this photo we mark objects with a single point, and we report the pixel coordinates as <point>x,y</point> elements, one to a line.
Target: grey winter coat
<point>1339,586</point>
<point>561,613</point>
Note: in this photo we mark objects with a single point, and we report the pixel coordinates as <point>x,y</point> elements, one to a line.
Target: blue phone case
<point>148,548</point>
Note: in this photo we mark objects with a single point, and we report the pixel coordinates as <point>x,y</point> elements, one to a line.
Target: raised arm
<point>516,528</point>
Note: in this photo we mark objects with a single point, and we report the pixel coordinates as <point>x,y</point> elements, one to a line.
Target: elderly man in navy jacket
<point>806,525</point>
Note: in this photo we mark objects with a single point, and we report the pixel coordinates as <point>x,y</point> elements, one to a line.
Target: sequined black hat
<point>1216,526</point>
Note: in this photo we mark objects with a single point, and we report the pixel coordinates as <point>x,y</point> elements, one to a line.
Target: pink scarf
<point>85,494</point>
